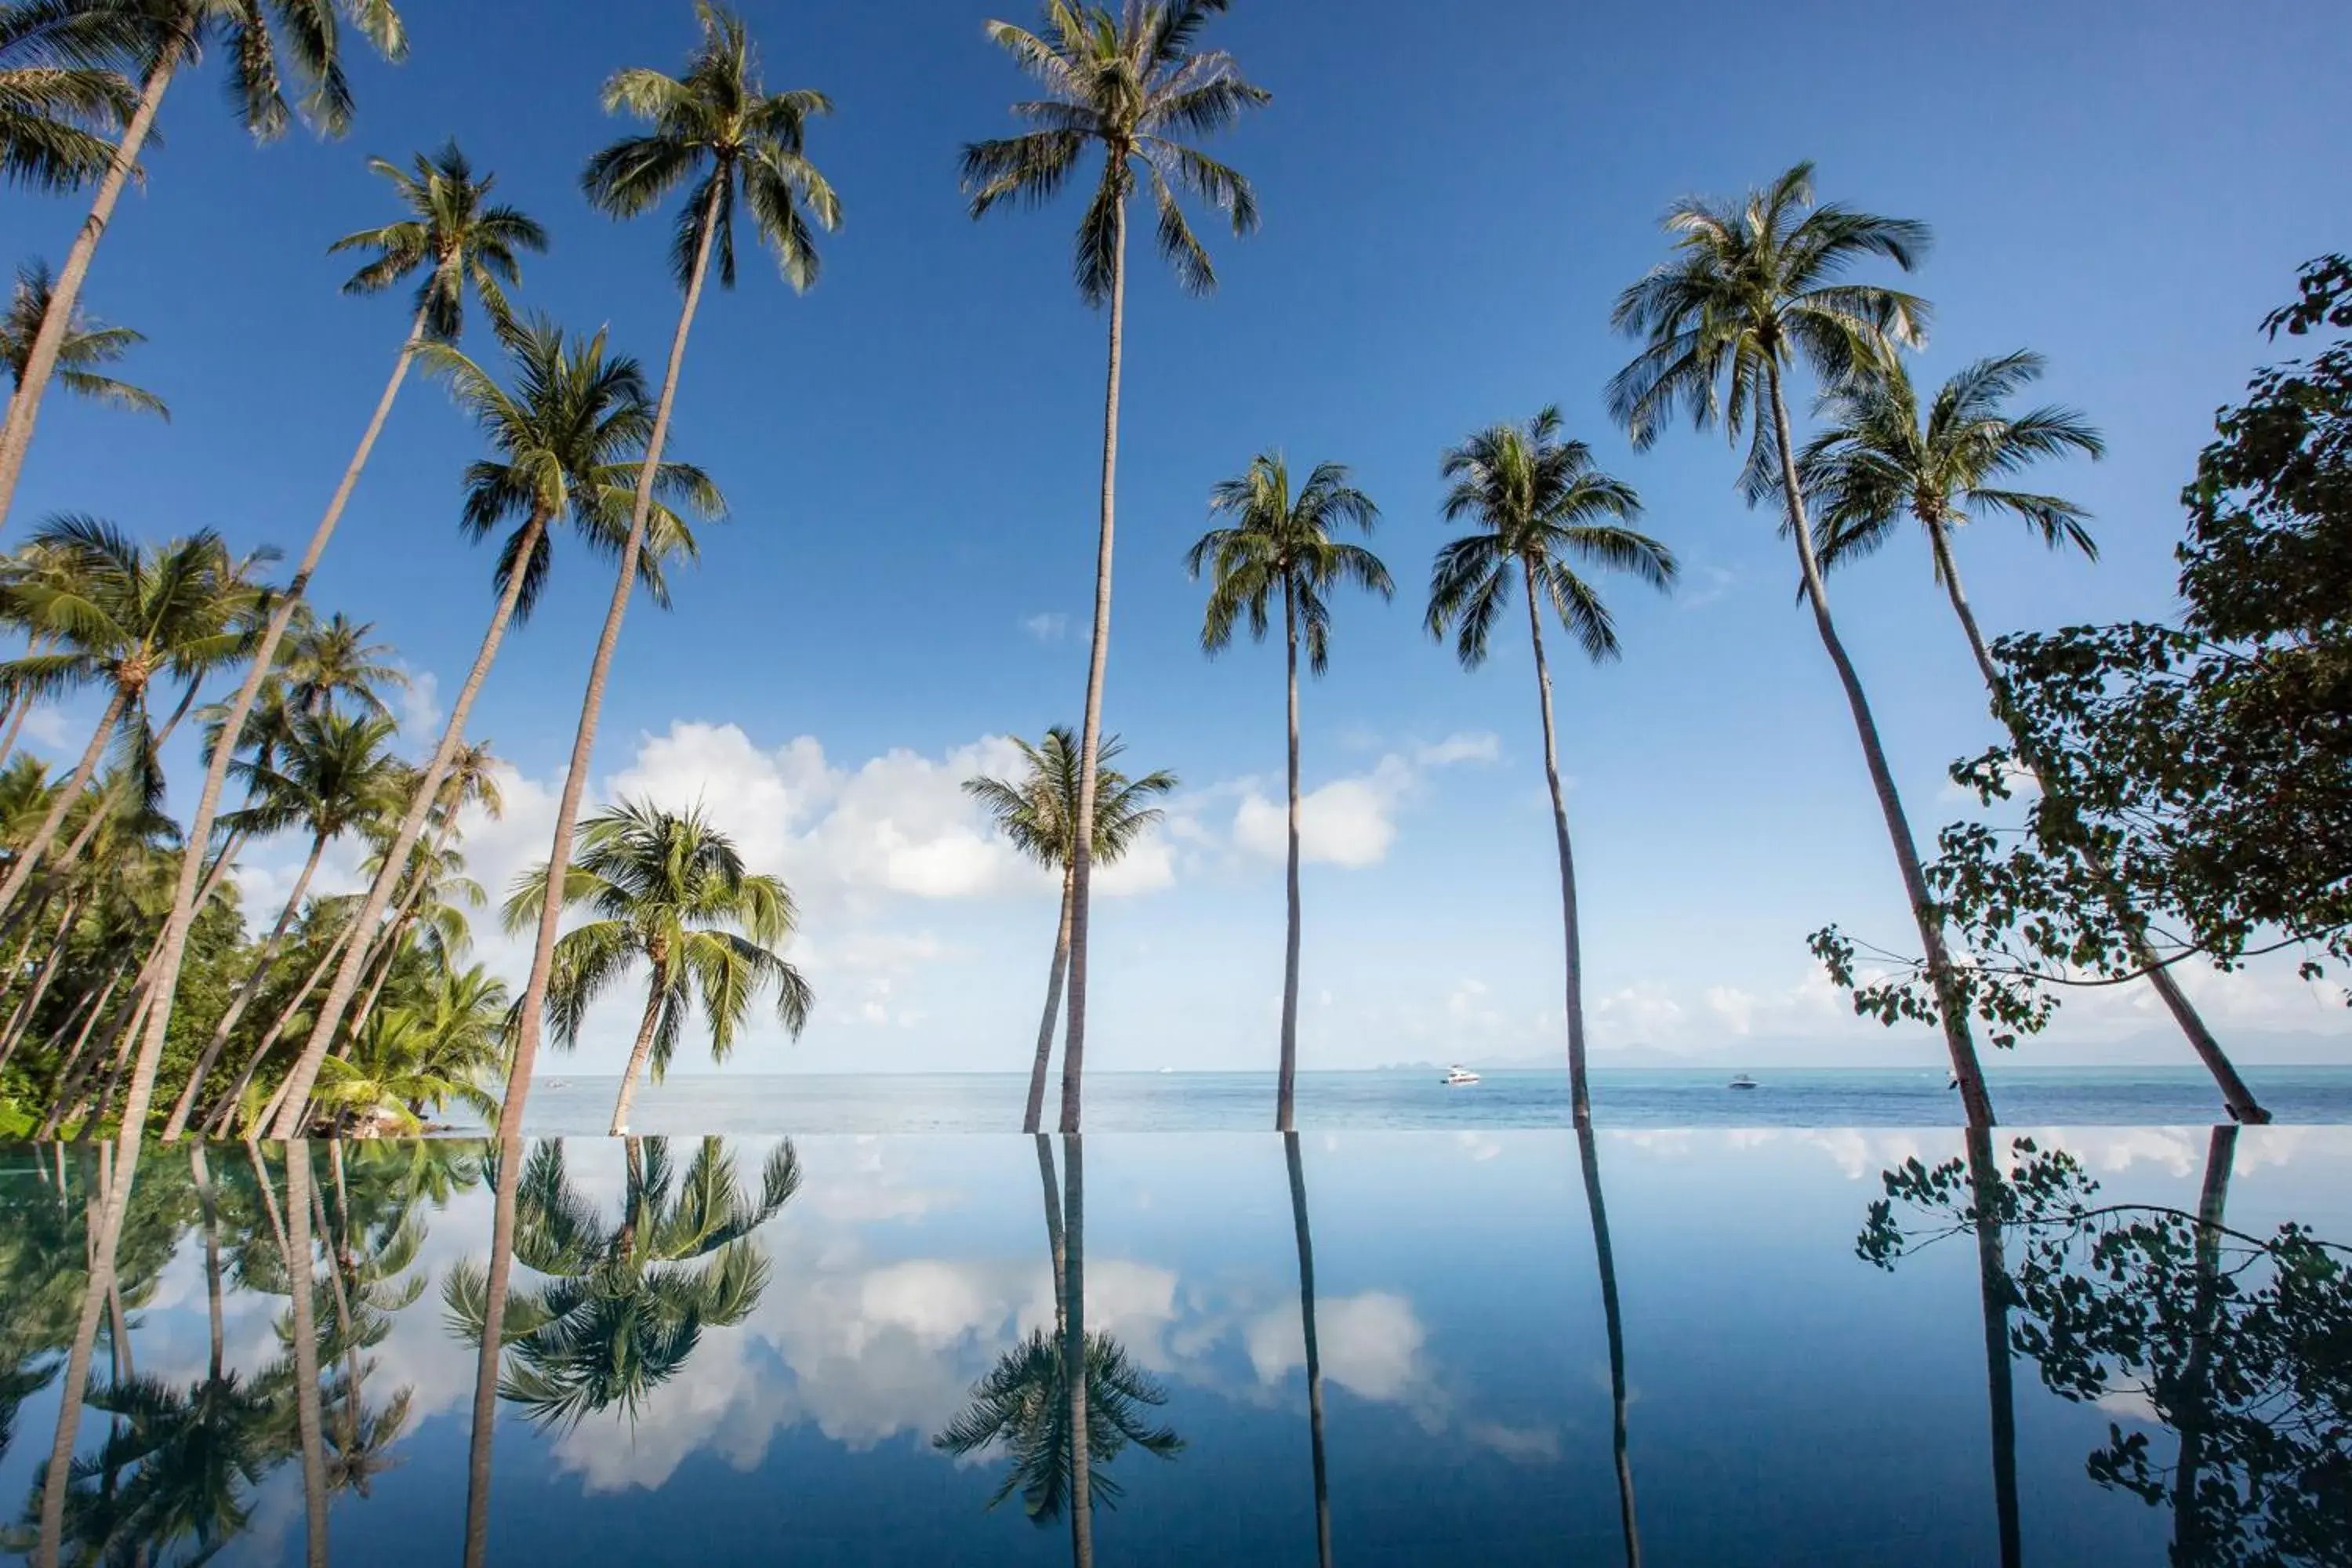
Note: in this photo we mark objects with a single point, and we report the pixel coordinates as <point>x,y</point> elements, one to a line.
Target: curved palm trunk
<point>1036,1108</point>
<point>263,964</point>
<point>110,1201</point>
<point>2188,1545</point>
<point>1074,1047</point>
<point>19,705</point>
<point>507,1170</point>
<point>2235,1095</point>
<point>305,1073</point>
<point>21,870</point>
<point>583,741</point>
<point>304,1282</point>
<point>640,1051</point>
<point>1313,1354</point>
<point>184,896</point>
<point>90,1020</point>
<point>1285,1091</point>
<point>41,359</point>
<point>1993,1286</point>
<point>1957,1042</point>
<point>1579,1094</point>
<point>21,1020</point>
<point>1074,1349</point>
<point>224,1110</point>
<point>74,1075</point>
<point>1605,1262</point>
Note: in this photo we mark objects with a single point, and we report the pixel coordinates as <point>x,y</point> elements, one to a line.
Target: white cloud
<point>1048,627</point>
<point>47,727</point>
<point>1464,746</point>
<point>419,709</point>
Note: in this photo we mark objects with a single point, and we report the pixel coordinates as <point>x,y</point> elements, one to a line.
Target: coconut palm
<point>624,1305</point>
<point>1039,812</point>
<point>1540,509</point>
<point>156,40</point>
<point>568,438</point>
<point>85,344</point>
<point>716,125</point>
<point>1878,458</point>
<point>1129,84</point>
<point>1756,288</point>
<point>1278,543</point>
<point>118,615</point>
<point>60,100</point>
<point>670,889</point>
<point>463,239</point>
<point>334,775</point>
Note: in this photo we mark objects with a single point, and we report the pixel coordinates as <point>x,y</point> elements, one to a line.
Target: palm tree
<point>462,239</point>
<point>120,614</point>
<point>156,38</point>
<point>1127,84</point>
<point>1304,1235</point>
<point>1540,506</point>
<point>1754,289</point>
<point>334,775</point>
<point>716,124</point>
<point>568,438</point>
<point>1604,1259</point>
<point>60,98</point>
<point>1276,542</point>
<point>1877,459</point>
<point>669,888</point>
<point>624,1305</point>
<point>87,342</point>
<point>1039,812</point>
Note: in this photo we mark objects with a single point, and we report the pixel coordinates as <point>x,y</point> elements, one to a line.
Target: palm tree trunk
<point>1950,1008</point>
<point>305,1350</point>
<point>21,1019</point>
<point>1580,1093</point>
<point>1287,1089</point>
<point>1605,1261</point>
<point>388,954</point>
<point>73,1076</point>
<point>2188,1544</point>
<point>583,741</point>
<point>1036,1108</point>
<point>55,869</point>
<point>639,1052</point>
<point>209,1206</point>
<point>506,1170</point>
<point>1074,1349</point>
<point>224,1110</point>
<point>90,1019</point>
<point>305,1072</point>
<point>262,965</point>
<point>1313,1354</point>
<point>41,359</point>
<point>1053,1244</point>
<point>19,705</point>
<point>21,870</point>
<point>2235,1095</point>
<point>1994,1286</point>
<point>110,1201</point>
<point>1073,1048</point>
<point>184,900</point>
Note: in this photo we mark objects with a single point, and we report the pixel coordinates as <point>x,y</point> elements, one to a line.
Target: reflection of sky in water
<point>1787,1402</point>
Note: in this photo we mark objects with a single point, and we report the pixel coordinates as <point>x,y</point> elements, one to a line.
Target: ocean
<point>814,1103</point>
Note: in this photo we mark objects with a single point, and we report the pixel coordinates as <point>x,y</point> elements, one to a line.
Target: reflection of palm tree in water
<point>1995,1293</point>
<point>1058,1425</point>
<point>1605,1260</point>
<point>1314,1353</point>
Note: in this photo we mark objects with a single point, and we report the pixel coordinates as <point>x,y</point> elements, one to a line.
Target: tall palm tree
<point>460,239</point>
<point>624,1305</point>
<point>154,39</point>
<point>120,614</point>
<point>1127,84</point>
<point>1878,458</point>
<point>1540,508</point>
<point>1304,1235</point>
<point>717,125</point>
<point>87,342</point>
<point>1755,289</point>
<point>1039,812</point>
<point>61,100</point>
<point>672,890</point>
<point>1604,1258</point>
<point>334,775</point>
<point>569,440</point>
<point>1279,541</point>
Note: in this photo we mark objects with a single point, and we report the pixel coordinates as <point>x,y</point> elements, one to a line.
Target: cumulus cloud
<point>1350,821</point>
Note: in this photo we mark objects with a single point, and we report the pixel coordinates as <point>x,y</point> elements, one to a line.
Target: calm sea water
<point>1371,1348</point>
<point>1200,1102</point>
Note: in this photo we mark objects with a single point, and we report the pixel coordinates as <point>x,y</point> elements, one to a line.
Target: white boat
<point>1741,1080</point>
<point>1455,1077</point>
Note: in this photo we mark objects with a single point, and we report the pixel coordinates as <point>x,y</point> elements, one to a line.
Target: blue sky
<point>911,448</point>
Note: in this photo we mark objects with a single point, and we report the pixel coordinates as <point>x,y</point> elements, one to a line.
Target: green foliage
<point>1039,811</point>
<point>86,343</point>
<point>1281,544</point>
